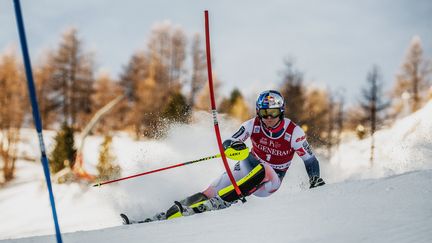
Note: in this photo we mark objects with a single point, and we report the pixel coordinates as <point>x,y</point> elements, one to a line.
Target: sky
<point>335,43</point>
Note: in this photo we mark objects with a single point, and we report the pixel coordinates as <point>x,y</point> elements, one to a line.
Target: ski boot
<point>197,203</point>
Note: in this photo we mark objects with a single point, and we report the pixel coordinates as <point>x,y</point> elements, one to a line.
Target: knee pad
<point>247,184</point>
<point>270,184</point>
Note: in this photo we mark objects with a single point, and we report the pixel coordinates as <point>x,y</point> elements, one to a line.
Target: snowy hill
<point>388,202</point>
<point>406,146</point>
<point>395,209</point>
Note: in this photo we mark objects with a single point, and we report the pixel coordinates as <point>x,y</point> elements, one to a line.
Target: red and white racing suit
<point>275,149</point>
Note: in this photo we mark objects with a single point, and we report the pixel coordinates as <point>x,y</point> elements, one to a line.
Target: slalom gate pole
<point>214,111</point>
<point>36,114</point>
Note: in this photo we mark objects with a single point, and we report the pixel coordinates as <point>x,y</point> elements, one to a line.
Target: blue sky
<point>334,42</point>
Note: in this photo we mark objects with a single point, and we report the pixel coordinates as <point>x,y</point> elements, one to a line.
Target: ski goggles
<point>271,112</point>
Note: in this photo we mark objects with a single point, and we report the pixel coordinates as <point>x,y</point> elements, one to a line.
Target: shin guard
<point>247,184</point>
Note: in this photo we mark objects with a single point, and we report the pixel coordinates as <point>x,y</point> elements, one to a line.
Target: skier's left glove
<point>316,181</point>
<point>235,144</point>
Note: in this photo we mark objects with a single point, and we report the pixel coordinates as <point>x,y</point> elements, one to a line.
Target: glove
<point>234,144</point>
<point>316,181</point>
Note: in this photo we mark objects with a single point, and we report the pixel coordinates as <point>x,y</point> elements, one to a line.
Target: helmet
<point>270,99</point>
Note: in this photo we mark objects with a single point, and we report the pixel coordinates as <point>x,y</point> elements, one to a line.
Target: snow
<point>389,201</point>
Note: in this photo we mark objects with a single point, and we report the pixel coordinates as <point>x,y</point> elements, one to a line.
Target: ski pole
<point>230,153</point>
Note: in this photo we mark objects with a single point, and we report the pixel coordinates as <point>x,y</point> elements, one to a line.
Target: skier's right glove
<point>316,181</point>
<point>235,144</point>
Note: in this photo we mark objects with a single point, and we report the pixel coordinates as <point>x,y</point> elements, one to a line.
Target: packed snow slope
<point>388,201</point>
<point>394,209</point>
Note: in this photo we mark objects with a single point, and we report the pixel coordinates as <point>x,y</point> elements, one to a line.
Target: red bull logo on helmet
<point>271,100</point>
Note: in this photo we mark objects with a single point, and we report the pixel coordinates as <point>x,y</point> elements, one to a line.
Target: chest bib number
<point>268,156</point>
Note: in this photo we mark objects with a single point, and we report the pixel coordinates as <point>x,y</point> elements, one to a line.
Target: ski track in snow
<point>388,202</point>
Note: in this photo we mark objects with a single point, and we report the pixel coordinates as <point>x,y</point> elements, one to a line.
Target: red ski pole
<point>230,153</point>
<point>214,111</point>
<point>157,170</point>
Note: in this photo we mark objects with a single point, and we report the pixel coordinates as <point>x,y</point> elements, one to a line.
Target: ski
<point>127,220</point>
<point>197,203</point>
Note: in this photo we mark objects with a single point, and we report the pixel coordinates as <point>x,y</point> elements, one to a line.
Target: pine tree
<point>203,97</point>
<point>106,167</point>
<point>177,109</point>
<point>64,149</point>
<point>13,107</point>
<point>72,80</point>
<point>240,110</point>
<point>340,119</point>
<point>199,69</point>
<point>149,105</point>
<point>373,105</point>
<point>48,106</point>
<point>235,106</point>
<point>316,117</point>
<point>413,79</point>
<point>178,56</point>
<point>292,89</point>
<point>106,90</point>
<point>135,71</point>
<point>152,77</point>
<point>167,47</point>
<point>227,103</point>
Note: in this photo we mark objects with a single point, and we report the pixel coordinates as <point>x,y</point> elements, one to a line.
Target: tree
<point>316,116</point>
<point>240,109</point>
<point>150,104</point>
<point>12,111</point>
<point>312,113</point>
<point>235,106</point>
<point>48,107</point>
<point>203,97</point>
<point>106,90</point>
<point>106,167</point>
<point>151,78</point>
<point>199,68</point>
<point>135,71</point>
<point>340,119</point>
<point>413,79</point>
<point>133,74</point>
<point>167,47</point>
<point>227,103</point>
<point>373,105</point>
<point>178,56</point>
<point>177,109</point>
<point>64,151</point>
<point>331,120</point>
<point>292,89</point>
<point>72,80</point>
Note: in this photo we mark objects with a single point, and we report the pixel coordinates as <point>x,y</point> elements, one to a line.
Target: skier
<point>274,139</point>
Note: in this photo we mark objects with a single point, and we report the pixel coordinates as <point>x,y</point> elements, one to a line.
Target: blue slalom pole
<point>36,114</point>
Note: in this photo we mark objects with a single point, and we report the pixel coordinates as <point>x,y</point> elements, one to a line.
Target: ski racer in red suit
<point>275,140</point>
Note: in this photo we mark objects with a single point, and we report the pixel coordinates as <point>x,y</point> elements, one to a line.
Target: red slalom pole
<point>214,111</point>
